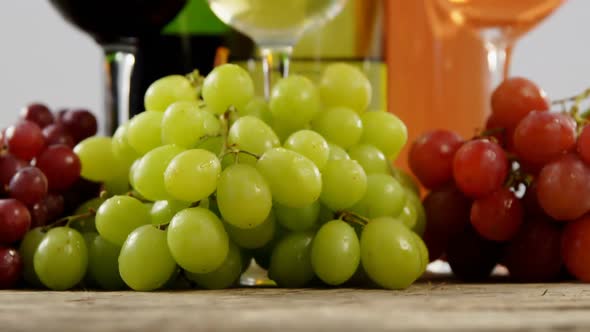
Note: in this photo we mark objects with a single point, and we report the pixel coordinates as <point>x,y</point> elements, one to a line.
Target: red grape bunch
<point>518,194</point>
<point>39,176</point>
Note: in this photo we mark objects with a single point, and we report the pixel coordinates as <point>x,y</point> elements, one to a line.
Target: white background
<point>43,58</point>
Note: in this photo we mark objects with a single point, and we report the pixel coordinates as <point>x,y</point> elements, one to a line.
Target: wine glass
<point>500,23</point>
<point>275,26</point>
<point>118,26</point>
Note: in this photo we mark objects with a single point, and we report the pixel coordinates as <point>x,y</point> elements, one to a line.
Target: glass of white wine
<point>275,25</point>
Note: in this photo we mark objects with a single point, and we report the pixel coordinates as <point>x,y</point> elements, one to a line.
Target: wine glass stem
<point>119,61</point>
<point>270,56</point>
<point>499,48</point>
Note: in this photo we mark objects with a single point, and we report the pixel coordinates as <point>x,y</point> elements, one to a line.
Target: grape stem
<point>196,80</point>
<point>134,195</point>
<point>352,218</point>
<point>581,118</point>
<point>68,220</point>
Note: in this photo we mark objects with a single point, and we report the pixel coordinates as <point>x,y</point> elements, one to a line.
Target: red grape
<point>28,185</point>
<point>11,267</point>
<point>575,248</point>
<point>514,98</point>
<point>15,220</point>
<point>80,191</point>
<point>447,211</point>
<point>80,124</point>
<point>584,144</point>
<point>431,157</point>
<point>563,188</point>
<point>498,216</point>
<point>530,203</point>
<point>471,257</point>
<point>480,167</point>
<point>37,113</point>
<point>9,165</point>
<point>59,115</point>
<point>25,140</point>
<point>542,136</point>
<point>533,255</point>
<point>48,209</point>
<point>56,134</point>
<point>60,165</point>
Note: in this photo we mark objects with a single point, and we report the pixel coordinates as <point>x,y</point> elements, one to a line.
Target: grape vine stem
<point>68,220</point>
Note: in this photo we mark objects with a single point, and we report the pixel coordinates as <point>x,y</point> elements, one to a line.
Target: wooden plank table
<point>426,306</point>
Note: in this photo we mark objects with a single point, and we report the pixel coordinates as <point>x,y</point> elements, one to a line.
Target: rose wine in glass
<point>275,26</point>
<point>499,22</point>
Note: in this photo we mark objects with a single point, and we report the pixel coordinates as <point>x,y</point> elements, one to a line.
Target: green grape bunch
<point>211,175</point>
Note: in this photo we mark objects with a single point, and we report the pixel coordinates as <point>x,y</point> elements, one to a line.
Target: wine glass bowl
<point>275,23</point>
<point>499,23</point>
<point>275,26</point>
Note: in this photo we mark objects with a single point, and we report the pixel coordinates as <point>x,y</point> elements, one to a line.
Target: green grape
<point>61,258</point>
<point>145,262</point>
<point>192,175</point>
<point>294,180</point>
<point>87,224</point>
<point>148,175</point>
<point>197,240</point>
<point>224,276</point>
<point>297,219</point>
<point>162,212</point>
<point>227,85</point>
<point>290,262</point>
<point>311,145</point>
<point>389,253</point>
<point>212,144</point>
<point>184,124</point>
<point>385,131</point>
<point>423,250</point>
<point>167,90</point>
<point>118,216</point>
<point>103,265</point>
<point>133,171</point>
<point>339,125</point>
<point>335,252</point>
<point>344,184</point>
<point>344,85</point>
<point>385,197</point>
<point>252,135</point>
<point>262,254</point>
<point>251,238</point>
<point>243,196</point>
<point>294,100</point>
<point>406,180</point>
<point>259,108</point>
<point>412,214</point>
<point>144,132</point>
<point>27,249</point>
<point>119,184</point>
<point>123,152</point>
<point>371,159</point>
<point>95,153</point>
<point>337,153</point>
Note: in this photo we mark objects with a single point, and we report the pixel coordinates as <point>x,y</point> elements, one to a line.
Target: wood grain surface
<point>426,306</point>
